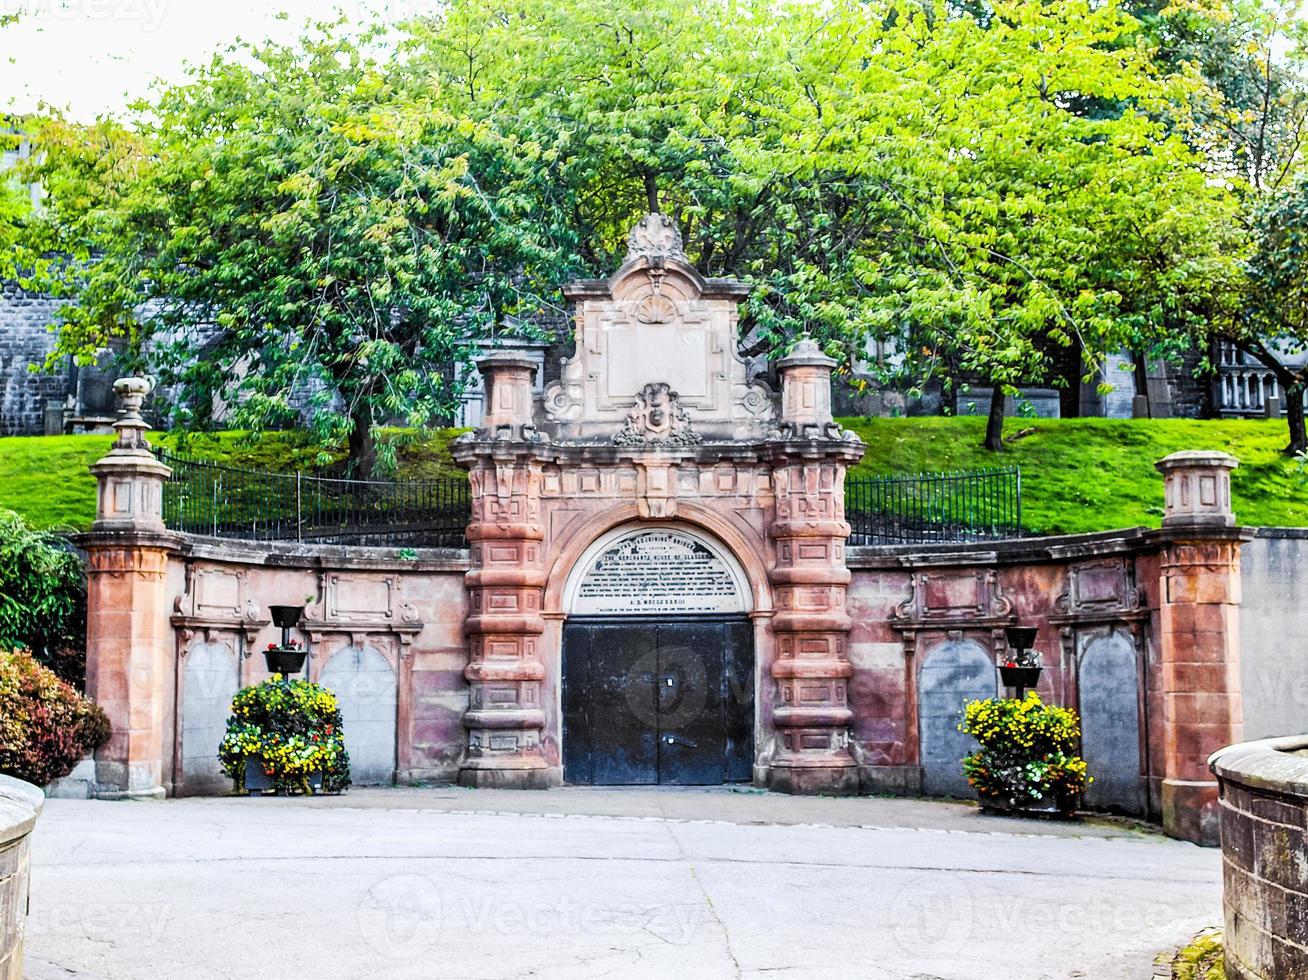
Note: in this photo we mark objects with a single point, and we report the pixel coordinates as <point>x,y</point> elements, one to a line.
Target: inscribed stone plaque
<point>663,571</point>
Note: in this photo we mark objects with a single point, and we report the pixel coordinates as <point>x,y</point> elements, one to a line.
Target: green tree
<point>344,232</point>
<point>1252,125</point>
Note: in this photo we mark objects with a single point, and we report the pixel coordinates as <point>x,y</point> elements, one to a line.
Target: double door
<point>658,701</point>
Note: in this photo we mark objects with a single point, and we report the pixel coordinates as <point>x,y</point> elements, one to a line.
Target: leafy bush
<point>1026,752</point>
<point>42,598</point>
<point>46,726</point>
<point>294,729</point>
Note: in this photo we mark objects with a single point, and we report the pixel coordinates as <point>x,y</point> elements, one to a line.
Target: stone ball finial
<point>1197,488</point>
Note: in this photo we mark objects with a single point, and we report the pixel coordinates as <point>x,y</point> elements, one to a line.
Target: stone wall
<point>385,633</point>
<point>1264,886</point>
<point>1274,632</point>
<point>24,341</point>
<point>20,805</point>
<point>929,627</point>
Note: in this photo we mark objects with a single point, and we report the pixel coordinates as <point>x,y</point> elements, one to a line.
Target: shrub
<point>46,726</point>
<point>42,598</point>
<point>294,729</point>
<point>1026,753</point>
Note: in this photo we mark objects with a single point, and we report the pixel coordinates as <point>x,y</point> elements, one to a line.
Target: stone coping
<point>284,554</point>
<point>1270,765</point>
<point>20,805</point>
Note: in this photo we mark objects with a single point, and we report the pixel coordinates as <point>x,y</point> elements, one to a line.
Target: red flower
<point>1010,664</point>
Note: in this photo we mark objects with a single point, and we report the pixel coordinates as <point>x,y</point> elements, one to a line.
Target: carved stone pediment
<point>972,597</point>
<point>1099,589</point>
<point>657,319</point>
<point>217,601</point>
<point>657,419</point>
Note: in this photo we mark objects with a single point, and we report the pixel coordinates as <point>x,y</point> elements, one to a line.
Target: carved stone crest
<point>655,236</point>
<point>657,420</point>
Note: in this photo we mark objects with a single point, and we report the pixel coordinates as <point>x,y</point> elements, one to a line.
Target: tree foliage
<point>352,213</point>
<point>42,597</point>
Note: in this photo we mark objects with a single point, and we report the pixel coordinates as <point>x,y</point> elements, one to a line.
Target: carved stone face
<point>659,417</point>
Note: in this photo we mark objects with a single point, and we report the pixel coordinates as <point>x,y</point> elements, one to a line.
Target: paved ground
<point>582,883</point>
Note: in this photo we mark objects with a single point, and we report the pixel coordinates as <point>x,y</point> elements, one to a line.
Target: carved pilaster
<point>505,672</point>
<point>811,625</point>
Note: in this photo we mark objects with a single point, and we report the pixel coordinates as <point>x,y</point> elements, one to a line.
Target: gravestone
<point>210,681</point>
<point>365,688</point>
<point>953,673</point>
<point>1110,723</point>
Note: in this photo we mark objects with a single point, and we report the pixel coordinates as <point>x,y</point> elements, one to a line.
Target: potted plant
<point>1021,668</point>
<point>1026,761</point>
<point>285,735</point>
<point>287,657</point>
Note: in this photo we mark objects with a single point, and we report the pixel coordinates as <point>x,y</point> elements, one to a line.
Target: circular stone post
<point>812,669</point>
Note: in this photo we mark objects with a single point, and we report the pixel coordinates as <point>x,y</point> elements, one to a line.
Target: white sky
<point>93,56</point>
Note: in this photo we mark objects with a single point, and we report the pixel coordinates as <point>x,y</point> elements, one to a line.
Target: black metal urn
<point>285,660</point>
<point>1023,668</point>
<point>285,617</point>
<point>288,658</point>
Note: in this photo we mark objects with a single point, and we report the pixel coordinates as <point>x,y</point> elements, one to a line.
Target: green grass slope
<point>1097,474</point>
<point>1077,474</point>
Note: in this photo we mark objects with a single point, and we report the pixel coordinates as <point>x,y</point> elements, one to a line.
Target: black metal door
<point>658,701</point>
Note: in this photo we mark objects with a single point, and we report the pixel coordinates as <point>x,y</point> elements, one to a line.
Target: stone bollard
<point>1199,637</point>
<point>128,647</point>
<point>20,805</point>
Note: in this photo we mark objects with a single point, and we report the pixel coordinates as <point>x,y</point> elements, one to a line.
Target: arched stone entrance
<point>658,674</point>
<point>655,419</point>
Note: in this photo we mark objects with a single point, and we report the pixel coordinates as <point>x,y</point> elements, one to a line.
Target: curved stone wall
<point>1264,858</point>
<point>20,805</point>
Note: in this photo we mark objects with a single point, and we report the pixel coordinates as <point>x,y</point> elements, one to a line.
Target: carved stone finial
<point>657,420</point>
<point>655,236</point>
<point>131,428</point>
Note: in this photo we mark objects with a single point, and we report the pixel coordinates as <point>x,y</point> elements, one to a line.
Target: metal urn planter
<point>289,657</point>
<point>1022,669</point>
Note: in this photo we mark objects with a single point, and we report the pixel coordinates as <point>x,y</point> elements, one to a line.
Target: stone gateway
<point>657,587</point>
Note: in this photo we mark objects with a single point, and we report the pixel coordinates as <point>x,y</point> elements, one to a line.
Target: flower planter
<point>256,780</point>
<point>285,617</point>
<point>285,660</point>
<point>1051,806</point>
<point>1022,677</point>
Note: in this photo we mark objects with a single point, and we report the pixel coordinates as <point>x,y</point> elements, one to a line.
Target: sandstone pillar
<point>1199,637</point>
<point>128,637</point>
<point>810,580</point>
<point>505,672</point>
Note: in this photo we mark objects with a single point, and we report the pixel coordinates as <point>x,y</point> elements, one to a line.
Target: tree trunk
<point>362,446</point>
<point>1294,415</point>
<point>651,191</point>
<point>995,424</point>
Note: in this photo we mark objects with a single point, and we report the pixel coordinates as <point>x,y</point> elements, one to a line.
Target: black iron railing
<point>209,498</point>
<point>224,501</point>
<point>927,508</point>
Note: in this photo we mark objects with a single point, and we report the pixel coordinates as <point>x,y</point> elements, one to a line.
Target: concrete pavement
<point>580,883</point>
